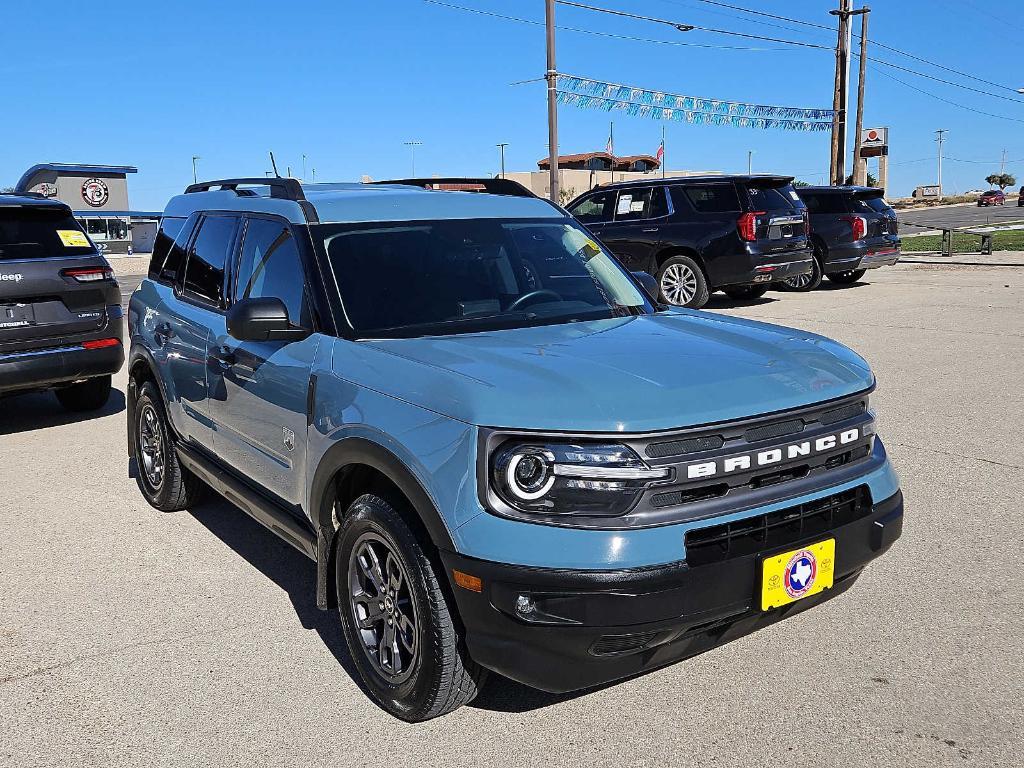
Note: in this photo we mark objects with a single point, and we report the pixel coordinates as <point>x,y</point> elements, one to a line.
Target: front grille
<point>776,530</point>
<point>681,447</point>
<point>840,414</point>
<point>778,429</point>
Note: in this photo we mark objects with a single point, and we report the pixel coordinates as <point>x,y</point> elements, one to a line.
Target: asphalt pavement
<point>134,638</point>
<point>959,216</point>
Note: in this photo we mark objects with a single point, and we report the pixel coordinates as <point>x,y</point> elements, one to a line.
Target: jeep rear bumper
<point>53,366</point>
<point>587,628</point>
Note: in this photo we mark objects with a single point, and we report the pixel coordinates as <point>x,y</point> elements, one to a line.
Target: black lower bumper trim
<point>587,628</point>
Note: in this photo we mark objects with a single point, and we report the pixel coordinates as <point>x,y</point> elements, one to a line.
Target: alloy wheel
<point>678,284</point>
<point>382,607</point>
<point>151,445</point>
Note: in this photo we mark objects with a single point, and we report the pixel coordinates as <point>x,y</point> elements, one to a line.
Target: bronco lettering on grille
<point>766,458</point>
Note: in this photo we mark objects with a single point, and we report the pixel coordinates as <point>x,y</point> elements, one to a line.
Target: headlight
<point>566,479</point>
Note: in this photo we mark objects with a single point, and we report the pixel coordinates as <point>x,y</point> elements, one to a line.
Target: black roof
<point>719,177</point>
<point>34,199</point>
<point>846,189</point>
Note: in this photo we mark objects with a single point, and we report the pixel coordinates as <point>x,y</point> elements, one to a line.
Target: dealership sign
<point>874,142</point>
<point>95,192</point>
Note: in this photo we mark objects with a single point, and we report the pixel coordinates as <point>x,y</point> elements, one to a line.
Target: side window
<point>633,204</point>
<point>595,208</point>
<point>173,266</point>
<point>169,229</point>
<point>270,266</point>
<point>658,205</point>
<point>813,203</point>
<point>709,198</point>
<point>204,272</point>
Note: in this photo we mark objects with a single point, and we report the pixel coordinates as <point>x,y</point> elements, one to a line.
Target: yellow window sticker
<point>72,238</point>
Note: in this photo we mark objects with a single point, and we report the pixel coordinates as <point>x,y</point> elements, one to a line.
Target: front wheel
<point>88,395</point>
<point>848,277</point>
<point>681,283</point>
<point>397,622</point>
<point>746,292</point>
<point>804,283</point>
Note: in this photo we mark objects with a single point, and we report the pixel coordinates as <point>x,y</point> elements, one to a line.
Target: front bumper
<point>44,368</point>
<point>593,627</point>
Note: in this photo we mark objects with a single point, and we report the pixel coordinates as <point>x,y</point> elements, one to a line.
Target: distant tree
<point>565,196</point>
<point>6,189</point>
<point>872,181</point>
<point>1001,180</point>
<point>798,183</point>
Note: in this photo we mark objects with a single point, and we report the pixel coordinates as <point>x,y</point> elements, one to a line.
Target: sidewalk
<point>997,259</point>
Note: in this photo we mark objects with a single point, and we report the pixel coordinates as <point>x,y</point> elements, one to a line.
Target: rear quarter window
<point>169,229</point>
<point>30,232</point>
<point>707,198</point>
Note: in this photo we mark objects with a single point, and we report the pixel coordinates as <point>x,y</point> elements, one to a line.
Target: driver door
<point>259,389</point>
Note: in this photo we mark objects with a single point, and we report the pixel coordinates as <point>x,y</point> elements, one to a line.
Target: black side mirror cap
<point>646,279</point>
<point>262,319</point>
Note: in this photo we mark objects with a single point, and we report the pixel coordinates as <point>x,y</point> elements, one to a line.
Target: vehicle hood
<point>674,369</point>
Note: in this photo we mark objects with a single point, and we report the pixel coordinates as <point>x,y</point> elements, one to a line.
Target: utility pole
<point>939,138</point>
<point>552,77</point>
<point>303,167</point>
<point>1002,164</point>
<point>860,164</point>
<point>838,105</point>
<point>501,147</point>
<point>195,177</point>
<point>412,148</point>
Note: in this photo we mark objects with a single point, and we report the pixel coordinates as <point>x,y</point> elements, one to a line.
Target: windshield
<point>33,232</point>
<point>462,276</point>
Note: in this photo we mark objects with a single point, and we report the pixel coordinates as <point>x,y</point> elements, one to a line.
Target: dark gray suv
<point>60,307</point>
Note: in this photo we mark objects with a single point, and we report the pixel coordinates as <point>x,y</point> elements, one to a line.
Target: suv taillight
<point>807,224</point>
<point>89,274</point>
<point>747,225</point>
<point>858,226</point>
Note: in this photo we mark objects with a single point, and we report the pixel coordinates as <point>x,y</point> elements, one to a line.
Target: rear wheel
<point>165,483</point>
<point>400,630</point>
<point>88,395</point>
<point>681,283</point>
<point>848,277</point>
<point>746,292</point>
<point>805,283</point>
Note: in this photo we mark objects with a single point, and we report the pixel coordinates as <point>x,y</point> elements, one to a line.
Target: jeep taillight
<point>89,274</point>
<point>747,225</point>
<point>858,226</point>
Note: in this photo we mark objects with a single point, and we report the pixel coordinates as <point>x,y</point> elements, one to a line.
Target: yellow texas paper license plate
<point>793,575</point>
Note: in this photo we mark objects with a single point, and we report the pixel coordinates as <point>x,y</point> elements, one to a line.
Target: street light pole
<point>939,138</point>
<point>501,148</point>
<point>195,176</point>
<point>750,162</point>
<point>412,148</point>
<point>552,77</point>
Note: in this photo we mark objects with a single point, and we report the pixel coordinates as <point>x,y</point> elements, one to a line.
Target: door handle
<point>224,357</point>
<point>162,332</point>
<point>650,229</point>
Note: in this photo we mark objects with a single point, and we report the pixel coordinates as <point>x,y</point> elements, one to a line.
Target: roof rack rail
<point>285,189</point>
<point>492,186</point>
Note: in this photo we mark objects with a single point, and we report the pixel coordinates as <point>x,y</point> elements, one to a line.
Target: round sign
<point>95,192</point>
<point>800,573</point>
<point>872,135</point>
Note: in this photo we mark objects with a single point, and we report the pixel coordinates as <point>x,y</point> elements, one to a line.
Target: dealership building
<point>98,196</point>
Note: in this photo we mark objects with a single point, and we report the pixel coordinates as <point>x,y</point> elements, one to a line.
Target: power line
<point>940,98</point>
<point>581,30</point>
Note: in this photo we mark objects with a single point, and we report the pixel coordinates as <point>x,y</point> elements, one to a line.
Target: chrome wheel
<point>798,282</point>
<point>151,446</point>
<point>382,607</point>
<point>678,284</point>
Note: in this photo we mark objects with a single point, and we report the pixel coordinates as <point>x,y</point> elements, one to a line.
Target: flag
<point>610,146</point>
<point>660,155</point>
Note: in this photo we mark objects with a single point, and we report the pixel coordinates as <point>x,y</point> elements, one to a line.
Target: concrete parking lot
<point>130,637</point>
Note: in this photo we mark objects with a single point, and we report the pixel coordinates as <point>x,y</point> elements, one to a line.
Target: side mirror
<point>647,280</point>
<point>263,319</point>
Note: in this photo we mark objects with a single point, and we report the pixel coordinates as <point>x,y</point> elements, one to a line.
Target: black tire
<point>805,283</point>
<point>89,395</point>
<point>437,675</point>
<point>176,488</point>
<point>745,292</point>
<point>848,277</point>
<point>681,278</point>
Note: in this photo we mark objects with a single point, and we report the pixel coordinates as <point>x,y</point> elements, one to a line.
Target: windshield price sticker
<point>72,238</point>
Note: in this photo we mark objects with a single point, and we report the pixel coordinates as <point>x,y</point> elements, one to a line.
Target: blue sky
<point>345,83</point>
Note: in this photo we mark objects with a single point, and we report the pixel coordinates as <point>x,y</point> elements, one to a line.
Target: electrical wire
<point>947,101</point>
<point>581,30</point>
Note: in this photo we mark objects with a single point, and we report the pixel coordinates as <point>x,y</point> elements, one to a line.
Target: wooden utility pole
<point>552,78</point>
<point>860,164</point>
<point>838,98</point>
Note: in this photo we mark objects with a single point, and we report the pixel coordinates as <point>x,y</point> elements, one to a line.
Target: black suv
<point>853,230</point>
<point>699,234</point>
<point>60,307</point>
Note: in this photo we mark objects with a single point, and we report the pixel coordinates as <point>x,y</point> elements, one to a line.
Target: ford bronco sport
<point>500,453</point>
<point>60,307</point>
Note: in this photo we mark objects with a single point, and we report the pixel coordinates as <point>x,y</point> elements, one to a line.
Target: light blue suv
<point>500,452</point>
